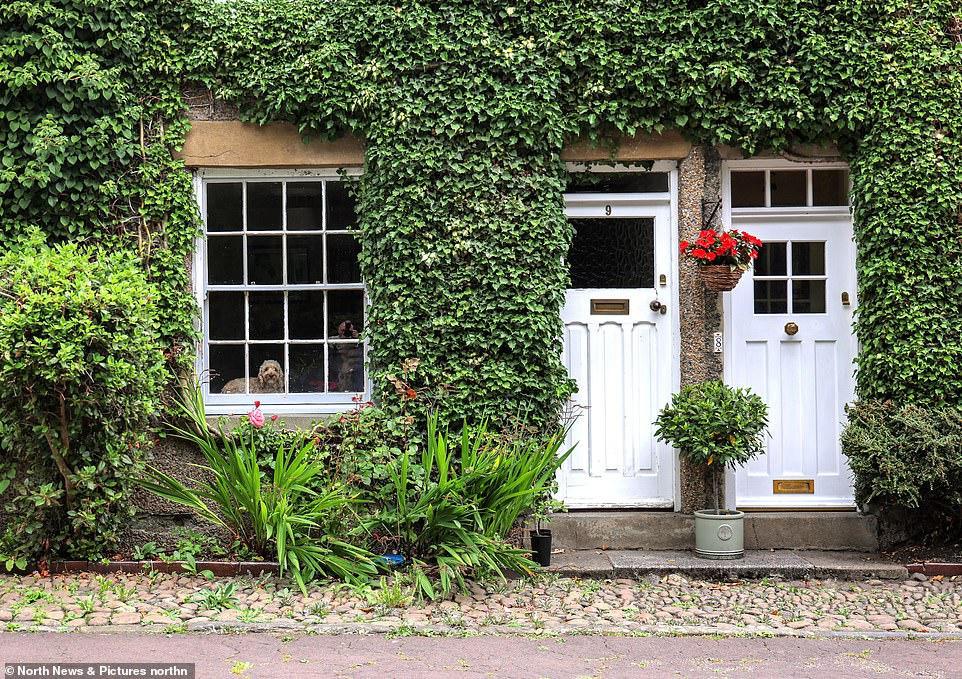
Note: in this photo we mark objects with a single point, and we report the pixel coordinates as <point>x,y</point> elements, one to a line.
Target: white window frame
<point>306,404</point>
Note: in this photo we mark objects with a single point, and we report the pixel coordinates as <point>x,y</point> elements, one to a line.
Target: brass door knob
<point>791,328</point>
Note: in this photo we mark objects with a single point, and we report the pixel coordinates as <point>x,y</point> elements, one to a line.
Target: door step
<point>628,530</point>
<point>787,564</point>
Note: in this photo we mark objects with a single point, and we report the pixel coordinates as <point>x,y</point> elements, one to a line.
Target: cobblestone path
<point>179,603</point>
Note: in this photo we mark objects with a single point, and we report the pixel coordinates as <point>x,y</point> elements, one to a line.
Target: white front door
<point>619,351</point>
<point>791,342</point>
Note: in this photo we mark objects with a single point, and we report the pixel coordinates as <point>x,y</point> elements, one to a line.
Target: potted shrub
<point>722,257</point>
<point>718,426</point>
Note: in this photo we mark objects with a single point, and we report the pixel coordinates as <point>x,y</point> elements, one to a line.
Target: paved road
<point>256,656</point>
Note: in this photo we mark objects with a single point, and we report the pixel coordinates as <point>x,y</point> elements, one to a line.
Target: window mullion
<point>327,296</point>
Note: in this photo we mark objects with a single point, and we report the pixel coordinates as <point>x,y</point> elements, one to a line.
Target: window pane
<point>612,253</point>
<point>345,313</point>
<point>808,297</point>
<point>830,187</point>
<point>307,368</point>
<point>788,188</point>
<point>306,314</point>
<point>305,259</point>
<point>264,260</point>
<point>264,206</point>
<point>226,315</point>
<point>305,206</point>
<point>267,315</point>
<point>340,207</point>
<point>771,297</point>
<point>225,207</point>
<point>772,260</point>
<point>342,264</point>
<point>226,364</point>
<point>347,367</point>
<point>268,361</point>
<point>225,260</point>
<point>617,182</point>
<point>748,189</point>
<point>808,259</point>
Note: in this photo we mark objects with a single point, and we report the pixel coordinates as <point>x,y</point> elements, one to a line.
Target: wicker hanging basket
<point>719,277</point>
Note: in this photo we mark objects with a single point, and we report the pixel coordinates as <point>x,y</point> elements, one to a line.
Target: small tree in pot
<point>718,426</point>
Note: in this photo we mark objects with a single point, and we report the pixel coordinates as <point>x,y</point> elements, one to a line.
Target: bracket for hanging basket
<point>719,277</point>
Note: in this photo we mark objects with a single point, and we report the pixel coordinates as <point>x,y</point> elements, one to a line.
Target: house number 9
<point>608,210</point>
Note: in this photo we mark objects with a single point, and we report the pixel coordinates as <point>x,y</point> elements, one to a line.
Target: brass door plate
<point>793,486</point>
<point>609,307</point>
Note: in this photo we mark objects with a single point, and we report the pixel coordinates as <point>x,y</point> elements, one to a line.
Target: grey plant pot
<point>719,535</point>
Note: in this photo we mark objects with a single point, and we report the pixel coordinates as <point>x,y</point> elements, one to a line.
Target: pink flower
<point>273,418</point>
<point>256,416</point>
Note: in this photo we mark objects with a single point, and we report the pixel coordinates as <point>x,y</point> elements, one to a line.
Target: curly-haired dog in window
<point>269,380</point>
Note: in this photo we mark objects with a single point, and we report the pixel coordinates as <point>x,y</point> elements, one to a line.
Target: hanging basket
<point>719,277</point>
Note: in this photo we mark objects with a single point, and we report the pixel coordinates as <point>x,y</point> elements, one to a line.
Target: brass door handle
<point>655,305</point>
<point>791,328</point>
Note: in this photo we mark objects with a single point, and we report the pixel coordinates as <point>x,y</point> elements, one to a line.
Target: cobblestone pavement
<point>550,605</point>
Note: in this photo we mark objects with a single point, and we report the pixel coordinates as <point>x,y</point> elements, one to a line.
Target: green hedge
<point>81,370</point>
<point>906,455</point>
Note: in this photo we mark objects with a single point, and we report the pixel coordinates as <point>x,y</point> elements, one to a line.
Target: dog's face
<point>270,374</point>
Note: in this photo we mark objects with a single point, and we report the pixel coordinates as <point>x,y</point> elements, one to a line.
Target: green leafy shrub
<point>905,455</point>
<point>81,369</point>
<point>357,447</point>
<point>714,424</point>
<point>278,515</point>
<point>454,522</point>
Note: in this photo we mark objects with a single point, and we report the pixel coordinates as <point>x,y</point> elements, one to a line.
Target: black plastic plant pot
<point>541,547</point>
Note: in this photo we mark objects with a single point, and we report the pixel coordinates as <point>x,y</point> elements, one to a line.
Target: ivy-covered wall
<point>465,107</point>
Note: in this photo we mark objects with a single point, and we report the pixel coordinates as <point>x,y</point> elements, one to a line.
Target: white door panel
<point>804,277</point>
<point>619,352</point>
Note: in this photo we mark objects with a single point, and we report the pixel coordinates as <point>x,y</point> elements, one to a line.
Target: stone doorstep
<point>756,564</point>
<point>665,530</point>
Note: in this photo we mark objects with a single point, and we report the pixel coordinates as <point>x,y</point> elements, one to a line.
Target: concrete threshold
<point>788,564</point>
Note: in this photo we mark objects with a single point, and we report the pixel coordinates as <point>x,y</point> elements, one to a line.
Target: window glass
<point>307,369</point>
<point>266,315</point>
<point>304,308</point>
<point>345,314</point>
<point>789,188</point>
<point>617,182</point>
<point>808,297</point>
<point>264,263</point>
<point>301,335</point>
<point>340,207</point>
<point>225,260</point>
<point>771,297</point>
<point>305,259</point>
<point>808,259</point>
<point>226,362</point>
<point>264,201</point>
<point>343,251</point>
<point>612,253</point>
<point>748,189</point>
<point>305,206</point>
<point>772,260</point>
<point>830,187</point>
<point>226,315</point>
<point>225,207</point>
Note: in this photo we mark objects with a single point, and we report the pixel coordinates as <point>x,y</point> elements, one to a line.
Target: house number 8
<point>608,210</point>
